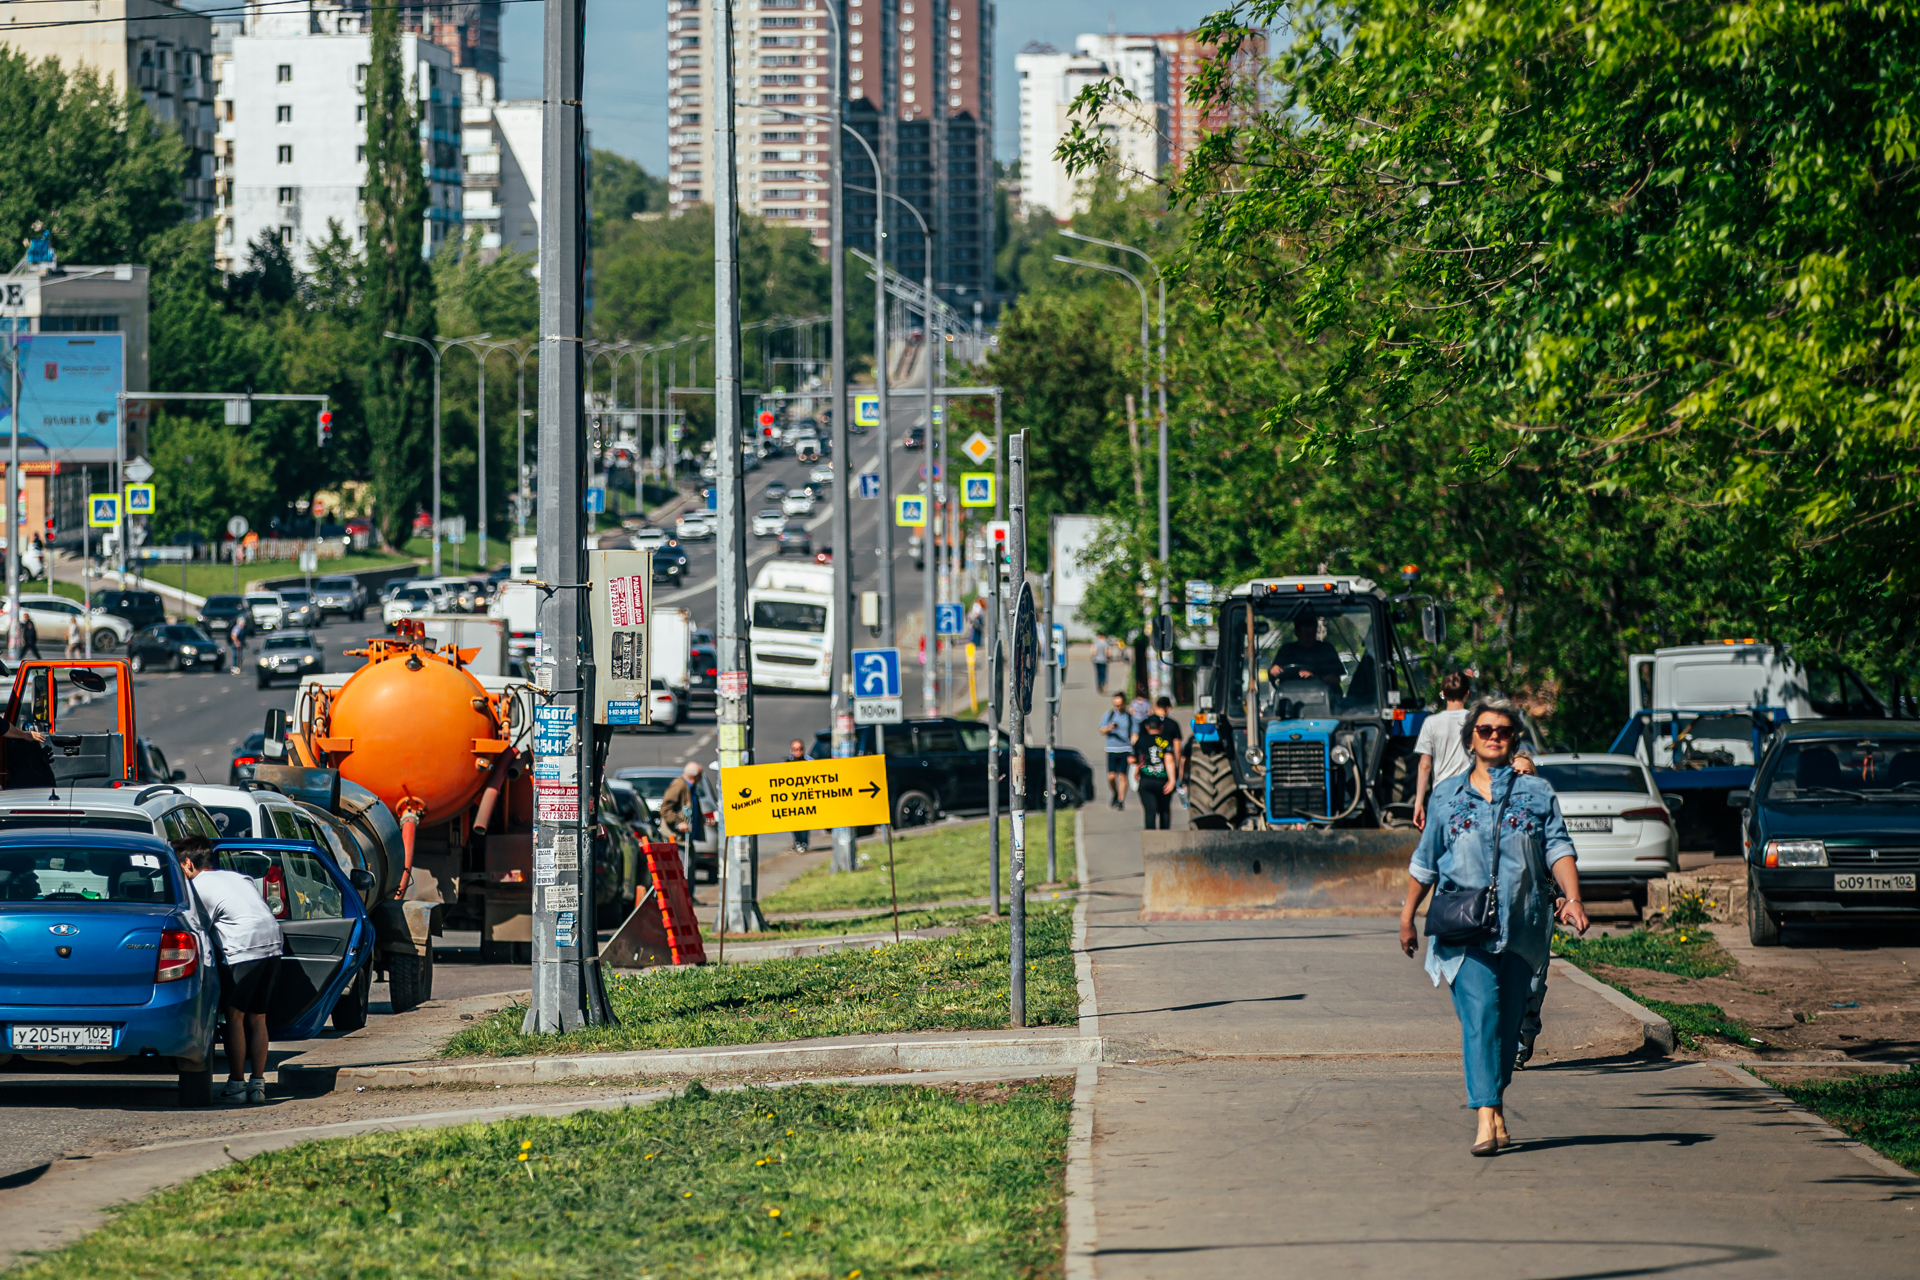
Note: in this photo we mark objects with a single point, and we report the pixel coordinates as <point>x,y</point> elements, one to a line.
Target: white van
<point>1722,684</point>
<point>790,629</point>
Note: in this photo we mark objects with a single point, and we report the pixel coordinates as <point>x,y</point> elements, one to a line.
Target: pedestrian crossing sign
<point>976,489</point>
<point>866,411</point>
<point>139,499</point>
<point>910,511</point>
<point>103,510</point>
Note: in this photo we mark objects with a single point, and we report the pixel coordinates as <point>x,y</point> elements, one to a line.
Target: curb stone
<point>1656,1030</point>
<point>995,1051</point>
<point>1743,1076</point>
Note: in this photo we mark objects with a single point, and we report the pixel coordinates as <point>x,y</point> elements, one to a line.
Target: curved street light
<point>436,347</point>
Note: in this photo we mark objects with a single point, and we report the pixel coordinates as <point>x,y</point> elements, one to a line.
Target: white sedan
<point>769,522</point>
<point>822,474</point>
<point>694,526</point>
<point>52,614</point>
<point>649,539</point>
<point>797,503</point>
<point>1623,829</point>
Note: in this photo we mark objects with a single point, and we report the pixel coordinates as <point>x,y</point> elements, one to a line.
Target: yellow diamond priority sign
<point>805,795</point>
<point>977,447</point>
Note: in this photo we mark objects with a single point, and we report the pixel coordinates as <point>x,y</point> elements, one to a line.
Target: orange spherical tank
<point>412,721</point>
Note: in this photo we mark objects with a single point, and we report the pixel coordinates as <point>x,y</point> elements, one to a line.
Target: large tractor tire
<point>409,981</point>
<point>1212,792</point>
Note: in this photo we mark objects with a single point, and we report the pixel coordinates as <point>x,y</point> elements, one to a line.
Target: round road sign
<point>237,527</point>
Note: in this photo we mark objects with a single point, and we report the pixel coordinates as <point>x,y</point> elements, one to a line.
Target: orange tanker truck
<point>447,751</point>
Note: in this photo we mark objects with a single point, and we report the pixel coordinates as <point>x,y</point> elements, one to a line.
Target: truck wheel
<point>913,809</point>
<point>1763,925</point>
<point>409,981</point>
<point>1211,788</point>
<point>350,1011</point>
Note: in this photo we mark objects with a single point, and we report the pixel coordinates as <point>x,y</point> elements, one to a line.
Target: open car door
<point>91,749</point>
<point>329,940</point>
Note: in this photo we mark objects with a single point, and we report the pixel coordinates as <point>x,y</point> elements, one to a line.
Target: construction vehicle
<point>448,753</point>
<point>1300,782</point>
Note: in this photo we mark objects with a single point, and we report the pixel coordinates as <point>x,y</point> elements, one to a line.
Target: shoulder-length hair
<point>1498,706</point>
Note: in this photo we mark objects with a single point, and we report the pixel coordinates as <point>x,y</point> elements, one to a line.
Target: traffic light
<point>766,423</point>
<point>326,427</point>
<point>49,528</point>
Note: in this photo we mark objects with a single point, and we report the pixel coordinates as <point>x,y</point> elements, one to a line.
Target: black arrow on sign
<point>871,789</point>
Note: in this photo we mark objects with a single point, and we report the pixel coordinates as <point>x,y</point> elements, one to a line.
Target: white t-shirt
<point>240,916</point>
<point>1440,738</point>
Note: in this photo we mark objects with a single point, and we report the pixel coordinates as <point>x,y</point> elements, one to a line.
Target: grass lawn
<point>1686,951</point>
<point>955,983</point>
<point>1882,1111</point>
<point>807,1181</point>
<point>940,864</point>
<point>210,579</point>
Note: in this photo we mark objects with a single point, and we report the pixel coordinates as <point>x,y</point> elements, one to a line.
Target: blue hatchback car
<point>1831,830</point>
<point>107,964</point>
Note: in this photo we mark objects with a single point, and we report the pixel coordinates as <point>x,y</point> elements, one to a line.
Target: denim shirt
<point>1454,848</point>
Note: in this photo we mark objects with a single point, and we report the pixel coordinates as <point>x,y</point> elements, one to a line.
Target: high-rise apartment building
<point>467,29</point>
<point>153,46</point>
<point>919,90</point>
<point>500,166</point>
<point>1187,123</point>
<point>1050,81</point>
<point>293,124</point>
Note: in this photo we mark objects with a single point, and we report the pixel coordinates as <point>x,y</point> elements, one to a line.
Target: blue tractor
<point>1308,713</point>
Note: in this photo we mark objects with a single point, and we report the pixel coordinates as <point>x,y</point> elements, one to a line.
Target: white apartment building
<point>293,129</point>
<point>153,46</point>
<point>1049,83</point>
<point>500,162</point>
<point>780,51</point>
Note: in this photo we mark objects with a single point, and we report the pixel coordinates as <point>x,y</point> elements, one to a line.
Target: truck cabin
<point>91,747</point>
<point>1322,650</point>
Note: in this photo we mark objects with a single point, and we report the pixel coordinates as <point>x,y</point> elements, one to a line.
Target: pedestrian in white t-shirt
<point>1438,747</point>
<point>250,945</point>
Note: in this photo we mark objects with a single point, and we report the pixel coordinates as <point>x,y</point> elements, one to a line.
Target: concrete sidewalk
<point>1294,1104</point>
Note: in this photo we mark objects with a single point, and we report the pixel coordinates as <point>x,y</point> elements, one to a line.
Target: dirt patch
<point>1842,1012</point>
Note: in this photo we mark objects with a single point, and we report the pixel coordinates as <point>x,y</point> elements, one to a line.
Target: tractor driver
<point>1308,657</point>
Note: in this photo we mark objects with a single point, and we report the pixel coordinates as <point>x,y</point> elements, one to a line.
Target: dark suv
<point>1832,825</point>
<point>142,608</point>
<point>940,765</point>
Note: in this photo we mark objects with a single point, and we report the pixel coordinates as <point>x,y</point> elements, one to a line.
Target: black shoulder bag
<point>1460,916</point>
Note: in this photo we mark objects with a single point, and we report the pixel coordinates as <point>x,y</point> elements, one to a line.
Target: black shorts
<point>248,986</point>
<point>1117,761</point>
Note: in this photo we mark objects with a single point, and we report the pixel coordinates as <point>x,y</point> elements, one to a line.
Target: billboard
<point>69,396</point>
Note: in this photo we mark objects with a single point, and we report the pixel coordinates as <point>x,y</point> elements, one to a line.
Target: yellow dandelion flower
<point>773,1213</point>
<point>526,1146</point>
<point>686,1195</point>
<point>523,1155</point>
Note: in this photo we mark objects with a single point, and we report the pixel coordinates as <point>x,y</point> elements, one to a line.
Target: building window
<point>286,195</point>
<point>360,112</point>
<point>284,73</point>
<point>286,155</point>
<point>360,73</point>
<point>286,235</point>
<point>283,114</point>
<point>362,196</point>
<point>360,152</point>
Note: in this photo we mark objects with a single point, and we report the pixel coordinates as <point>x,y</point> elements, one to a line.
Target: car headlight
<point>1341,755</point>
<point>187,651</point>
<point>264,660</point>
<point>1796,853</point>
<point>306,659</point>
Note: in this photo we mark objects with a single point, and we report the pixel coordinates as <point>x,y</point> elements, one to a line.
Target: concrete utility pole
<point>567,987</point>
<point>995,678</point>
<point>740,905</point>
<point>1053,711</point>
<point>880,390</point>
<point>1017,737</point>
<point>929,542</point>
<point>846,854</point>
<point>521,350</point>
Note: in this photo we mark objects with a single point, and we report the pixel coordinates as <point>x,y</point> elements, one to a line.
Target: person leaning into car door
<point>248,944</point>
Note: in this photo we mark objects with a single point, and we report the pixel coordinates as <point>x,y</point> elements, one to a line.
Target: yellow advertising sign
<point>805,795</point>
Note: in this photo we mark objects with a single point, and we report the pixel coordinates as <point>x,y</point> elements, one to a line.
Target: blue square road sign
<point>949,620</point>
<point>870,484</point>
<point>876,673</point>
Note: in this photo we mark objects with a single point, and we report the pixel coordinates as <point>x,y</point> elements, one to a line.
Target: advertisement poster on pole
<point>620,598</point>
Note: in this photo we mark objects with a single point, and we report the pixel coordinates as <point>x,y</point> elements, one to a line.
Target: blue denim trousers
<point>1490,996</point>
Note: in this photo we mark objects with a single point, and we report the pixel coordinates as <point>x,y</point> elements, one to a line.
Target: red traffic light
<point>766,418</point>
<point>326,417</point>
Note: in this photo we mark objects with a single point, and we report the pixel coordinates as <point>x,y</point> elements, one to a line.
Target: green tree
<point>90,164</point>
<point>620,188</point>
<point>1665,248</point>
<point>398,293</point>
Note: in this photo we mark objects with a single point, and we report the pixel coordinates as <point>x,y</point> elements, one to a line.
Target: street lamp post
<point>435,348</point>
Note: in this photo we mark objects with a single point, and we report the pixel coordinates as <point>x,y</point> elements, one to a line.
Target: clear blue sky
<point>626,61</point>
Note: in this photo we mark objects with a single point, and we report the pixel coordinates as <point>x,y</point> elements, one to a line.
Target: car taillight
<point>275,890</point>
<point>240,760</point>
<point>1653,813</point>
<point>179,956</point>
<point>713,671</point>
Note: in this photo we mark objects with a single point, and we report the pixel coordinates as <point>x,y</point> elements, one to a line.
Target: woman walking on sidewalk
<point>1493,839</point>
